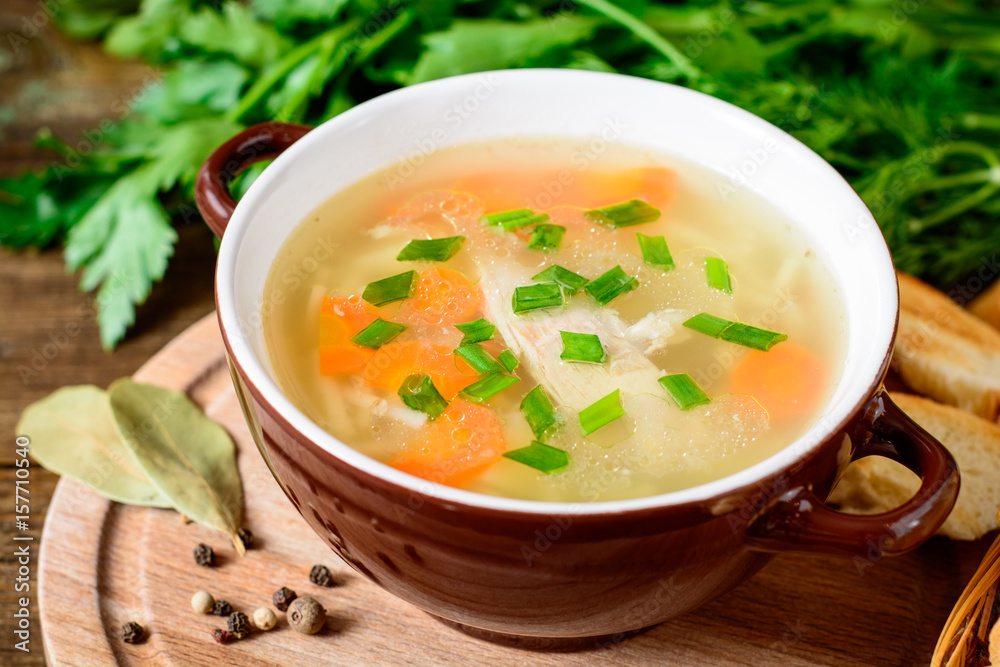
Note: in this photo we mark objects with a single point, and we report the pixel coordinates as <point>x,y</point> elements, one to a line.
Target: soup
<point>537,320</point>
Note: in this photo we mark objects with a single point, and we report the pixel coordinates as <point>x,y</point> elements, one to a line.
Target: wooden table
<point>69,87</point>
<point>45,321</point>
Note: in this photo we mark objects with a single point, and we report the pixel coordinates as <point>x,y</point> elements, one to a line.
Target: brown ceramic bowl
<point>551,574</point>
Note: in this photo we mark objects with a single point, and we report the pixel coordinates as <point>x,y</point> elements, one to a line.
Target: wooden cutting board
<point>103,564</point>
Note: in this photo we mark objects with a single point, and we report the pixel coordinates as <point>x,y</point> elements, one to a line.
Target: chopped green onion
<point>717,274</point>
<point>476,332</point>
<point>751,336</point>
<point>480,360</point>
<point>508,361</point>
<point>539,412</point>
<point>511,225</point>
<point>655,252</point>
<point>533,297</point>
<point>546,237</point>
<point>489,386</point>
<point>602,412</point>
<point>626,214</point>
<point>557,274</point>
<point>419,393</point>
<point>431,250</point>
<point>540,456</point>
<point>511,220</point>
<point>746,335</point>
<point>507,216</point>
<point>611,285</point>
<point>387,290</point>
<point>710,325</point>
<point>684,390</point>
<point>582,347</point>
<point>378,333</point>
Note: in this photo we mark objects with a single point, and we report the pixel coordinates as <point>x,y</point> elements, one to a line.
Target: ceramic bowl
<point>542,574</point>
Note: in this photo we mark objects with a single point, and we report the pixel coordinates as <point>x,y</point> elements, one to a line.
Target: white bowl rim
<point>710,492</point>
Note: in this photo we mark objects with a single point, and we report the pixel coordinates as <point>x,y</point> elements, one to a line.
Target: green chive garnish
<point>419,393</point>
<point>540,456</point>
<point>684,390</point>
<point>541,415</point>
<point>746,335</point>
<point>508,361</point>
<point>511,220</point>
<point>431,250</point>
<point>626,214</point>
<point>387,290</point>
<point>489,386</point>
<point>717,274</point>
<point>655,252</point>
<point>751,336</point>
<point>546,237</point>
<point>378,333</point>
<point>710,325</point>
<point>480,360</point>
<point>507,216</point>
<point>582,347</point>
<point>611,285</point>
<point>557,274</point>
<point>476,332</point>
<point>533,297</point>
<point>524,222</point>
<point>602,412</point>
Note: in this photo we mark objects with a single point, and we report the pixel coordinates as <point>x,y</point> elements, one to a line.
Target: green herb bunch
<point>899,95</point>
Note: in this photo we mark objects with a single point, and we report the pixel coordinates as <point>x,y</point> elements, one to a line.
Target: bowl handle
<point>256,143</point>
<point>799,521</point>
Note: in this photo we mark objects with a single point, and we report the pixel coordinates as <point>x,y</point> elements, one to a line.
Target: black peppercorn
<point>222,608</point>
<point>132,633</point>
<point>239,624</point>
<point>222,636</point>
<point>283,597</point>
<point>246,537</point>
<point>320,575</point>
<point>204,556</point>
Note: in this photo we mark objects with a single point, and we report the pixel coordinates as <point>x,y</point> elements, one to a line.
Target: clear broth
<point>778,283</point>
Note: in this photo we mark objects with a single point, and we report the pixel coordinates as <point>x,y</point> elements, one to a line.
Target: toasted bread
<point>875,484</point>
<point>944,352</point>
<point>986,306</point>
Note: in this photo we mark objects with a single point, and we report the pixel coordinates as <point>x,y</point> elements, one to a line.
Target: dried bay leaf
<point>73,433</point>
<point>189,458</point>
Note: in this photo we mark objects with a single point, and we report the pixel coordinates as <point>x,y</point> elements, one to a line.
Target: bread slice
<point>876,484</point>
<point>944,352</point>
<point>986,306</point>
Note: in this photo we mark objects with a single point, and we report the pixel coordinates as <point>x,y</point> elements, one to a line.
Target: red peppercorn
<point>223,636</point>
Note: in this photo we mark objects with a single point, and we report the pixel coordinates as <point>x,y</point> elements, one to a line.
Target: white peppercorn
<point>203,602</point>
<point>264,618</point>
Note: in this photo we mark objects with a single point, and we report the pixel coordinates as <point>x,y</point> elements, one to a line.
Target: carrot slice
<point>460,444</point>
<point>393,362</point>
<point>655,185</point>
<point>440,296</point>
<point>788,380</point>
<point>340,318</point>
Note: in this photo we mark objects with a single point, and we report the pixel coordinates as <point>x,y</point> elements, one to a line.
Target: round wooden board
<point>103,564</point>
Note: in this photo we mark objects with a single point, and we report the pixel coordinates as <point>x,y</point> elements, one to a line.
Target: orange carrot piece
<point>440,296</point>
<point>460,444</point>
<point>655,185</point>
<point>340,318</point>
<point>393,362</point>
<point>788,380</point>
